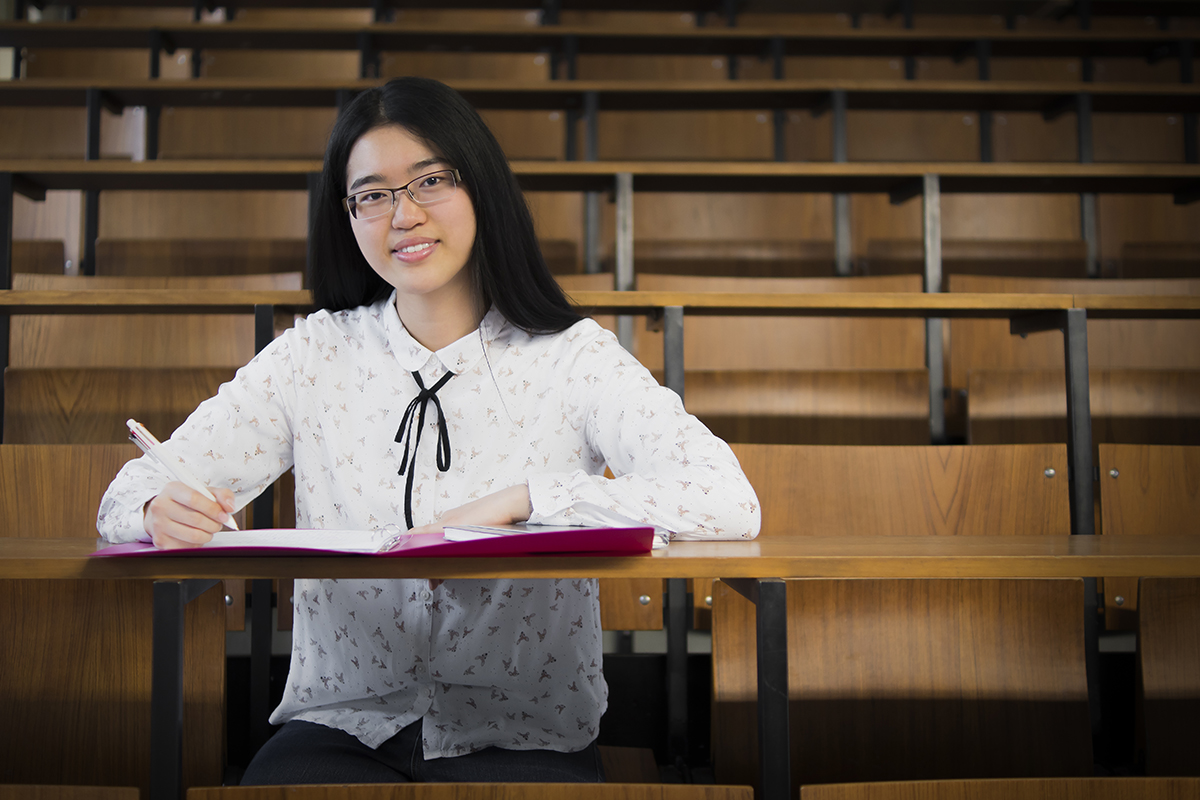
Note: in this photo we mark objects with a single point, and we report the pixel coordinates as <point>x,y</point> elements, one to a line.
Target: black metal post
<point>983,52</point>
<point>1079,422</point>
<point>774,746</point>
<point>910,63</point>
<point>677,678</point>
<point>166,685</point>
<point>6,265</point>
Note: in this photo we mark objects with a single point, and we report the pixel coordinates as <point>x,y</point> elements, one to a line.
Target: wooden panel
<point>196,257</point>
<point>1159,260</point>
<point>715,343</point>
<point>1030,258</point>
<point>77,657</point>
<point>245,132</point>
<point>479,791</point>
<point>900,680</point>
<point>32,479</point>
<point>1144,218</point>
<point>685,135</point>
<point>68,793</point>
<point>90,406</point>
<point>754,259</point>
<point>909,491</point>
<point>42,256</point>
<point>146,340</point>
<point>621,606</point>
<point>1128,405</point>
<point>912,136</point>
<point>76,692</point>
<point>1014,789</point>
<point>823,407</point>
<point>1169,667</point>
<point>1156,489</point>
<point>1112,344</point>
<point>210,214</point>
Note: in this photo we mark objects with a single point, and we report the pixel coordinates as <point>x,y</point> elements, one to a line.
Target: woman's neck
<point>439,322</point>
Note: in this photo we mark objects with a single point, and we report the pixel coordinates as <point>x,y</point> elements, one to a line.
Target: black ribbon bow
<point>415,413</point>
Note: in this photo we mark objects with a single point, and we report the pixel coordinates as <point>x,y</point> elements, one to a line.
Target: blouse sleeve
<point>240,439</point>
<point>670,470</point>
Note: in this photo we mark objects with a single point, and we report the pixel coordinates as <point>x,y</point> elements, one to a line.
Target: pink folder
<point>577,541</point>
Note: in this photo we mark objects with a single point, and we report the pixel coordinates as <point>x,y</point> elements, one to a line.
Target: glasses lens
<point>434,187</point>
<point>371,203</point>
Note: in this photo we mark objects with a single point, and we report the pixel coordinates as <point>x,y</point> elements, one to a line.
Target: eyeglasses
<point>424,191</point>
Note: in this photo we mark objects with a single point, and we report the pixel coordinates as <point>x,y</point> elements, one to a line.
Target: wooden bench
<point>1011,789</point>
<point>905,679</point>
<point>77,653</point>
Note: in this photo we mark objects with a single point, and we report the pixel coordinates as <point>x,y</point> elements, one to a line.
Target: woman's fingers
<point>182,517</point>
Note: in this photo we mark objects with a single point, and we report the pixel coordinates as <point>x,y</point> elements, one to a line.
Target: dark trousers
<point>304,752</point>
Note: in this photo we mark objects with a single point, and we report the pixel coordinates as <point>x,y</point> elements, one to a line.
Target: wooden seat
<point>1031,259</point>
<point>141,340</point>
<point>1159,260</point>
<point>786,258</point>
<point>906,679</point>
<point>12,792</point>
<point>1144,489</point>
<point>820,379</point>
<point>198,257</point>
<point>1169,674</point>
<point>1113,344</point>
<point>1018,789</point>
<point>76,658</point>
<point>476,791</point>
<point>40,256</point>
<point>1144,406</point>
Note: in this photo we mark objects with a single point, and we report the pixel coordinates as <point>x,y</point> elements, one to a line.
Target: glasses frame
<point>407,189</point>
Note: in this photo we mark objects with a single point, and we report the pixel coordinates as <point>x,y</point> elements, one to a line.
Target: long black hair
<point>506,262</point>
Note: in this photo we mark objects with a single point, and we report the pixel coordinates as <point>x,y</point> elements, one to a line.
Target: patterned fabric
<point>508,663</point>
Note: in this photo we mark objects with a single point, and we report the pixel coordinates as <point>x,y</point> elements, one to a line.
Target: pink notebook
<point>518,541</point>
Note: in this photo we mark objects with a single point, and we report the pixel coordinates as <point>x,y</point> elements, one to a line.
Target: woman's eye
<point>431,181</point>
<point>372,197</point>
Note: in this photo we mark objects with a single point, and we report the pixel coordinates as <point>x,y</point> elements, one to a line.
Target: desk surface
<point>778,556</point>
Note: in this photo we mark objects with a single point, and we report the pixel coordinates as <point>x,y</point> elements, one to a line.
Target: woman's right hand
<point>182,517</point>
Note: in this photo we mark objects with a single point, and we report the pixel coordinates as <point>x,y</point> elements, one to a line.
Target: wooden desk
<point>758,569</point>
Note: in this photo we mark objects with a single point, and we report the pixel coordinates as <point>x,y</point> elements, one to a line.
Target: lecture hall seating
<point>906,679</point>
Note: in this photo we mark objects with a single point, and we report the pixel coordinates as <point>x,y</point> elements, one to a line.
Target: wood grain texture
<point>1156,488</point>
<point>1112,344</point>
<point>1169,672</point>
<point>1160,260</point>
<point>1013,258</point>
<point>907,679</point>
<point>478,791</point>
<point>904,680</point>
<point>818,407</point>
<point>722,343</point>
<point>146,340</point>
<point>1011,789</point>
<point>90,406</point>
<point>77,657</point>
<point>32,792</point>
<point>196,257</point>
<point>41,256</point>
<point>909,491</point>
<point>1128,405</point>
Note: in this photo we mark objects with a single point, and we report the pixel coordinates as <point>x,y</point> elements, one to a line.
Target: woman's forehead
<point>390,151</point>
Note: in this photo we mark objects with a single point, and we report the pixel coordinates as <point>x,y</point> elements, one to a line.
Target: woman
<point>439,317</point>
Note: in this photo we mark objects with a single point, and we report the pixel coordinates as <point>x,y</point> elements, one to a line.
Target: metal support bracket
<point>623,272</point>
<point>677,609</point>
<point>673,372</point>
<point>368,57</point>
<point>906,191</point>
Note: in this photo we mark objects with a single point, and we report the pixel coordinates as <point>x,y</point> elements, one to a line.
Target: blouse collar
<point>457,357</point>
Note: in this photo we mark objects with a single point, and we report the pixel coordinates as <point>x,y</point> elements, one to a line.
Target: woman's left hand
<point>498,508</point>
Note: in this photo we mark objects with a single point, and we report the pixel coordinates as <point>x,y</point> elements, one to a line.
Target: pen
<point>153,448</point>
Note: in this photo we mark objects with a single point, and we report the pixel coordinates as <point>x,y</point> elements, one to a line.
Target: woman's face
<point>420,250</point>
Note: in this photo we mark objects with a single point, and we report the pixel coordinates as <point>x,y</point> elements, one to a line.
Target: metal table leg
<point>166,685</point>
<point>769,596</point>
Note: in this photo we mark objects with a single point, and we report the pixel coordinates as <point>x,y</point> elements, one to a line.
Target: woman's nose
<point>406,212</point>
